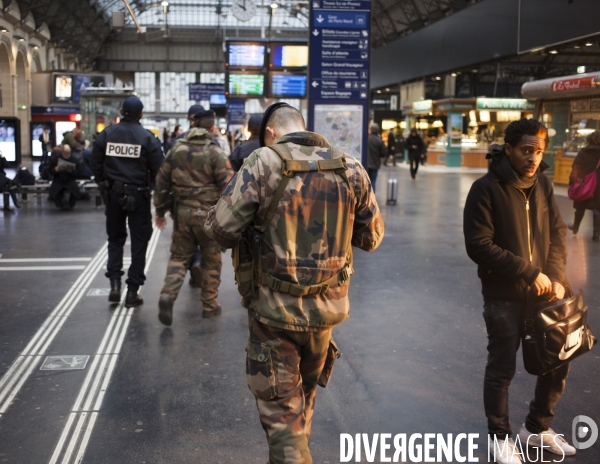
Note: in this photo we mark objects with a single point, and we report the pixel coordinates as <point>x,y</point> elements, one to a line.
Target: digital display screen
<point>37,137</point>
<point>251,55</point>
<point>217,99</point>
<point>289,56</point>
<point>246,84</point>
<point>288,85</point>
<point>63,88</point>
<point>8,144</point>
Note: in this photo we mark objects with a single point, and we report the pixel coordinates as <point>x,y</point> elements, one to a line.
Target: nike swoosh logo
<point>566,354</point>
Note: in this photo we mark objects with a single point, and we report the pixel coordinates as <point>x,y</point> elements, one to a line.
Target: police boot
<point>115,290</point>
<point>132,298</point>
<point>596,236</point>
<point>165,310</point>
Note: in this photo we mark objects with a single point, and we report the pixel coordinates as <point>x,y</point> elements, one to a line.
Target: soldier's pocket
<point>260,372</point>
<point>332,354</point>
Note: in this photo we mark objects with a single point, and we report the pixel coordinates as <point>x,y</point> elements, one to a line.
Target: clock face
<point>244,10</point>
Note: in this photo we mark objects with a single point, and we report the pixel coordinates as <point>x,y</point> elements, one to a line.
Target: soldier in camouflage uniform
<point>305,262</point>
<point>191,177</point>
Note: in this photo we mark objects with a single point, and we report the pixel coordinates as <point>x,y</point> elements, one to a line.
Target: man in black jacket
<point>514,232</point>
<point>243,151</point>
<point>125,160</point>
<point>376,151</point>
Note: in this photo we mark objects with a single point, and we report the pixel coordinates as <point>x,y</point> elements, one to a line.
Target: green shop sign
<point>504,104</point>
<point>423,106</point>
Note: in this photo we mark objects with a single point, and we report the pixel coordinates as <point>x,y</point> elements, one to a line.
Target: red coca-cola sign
<point>568,85</point>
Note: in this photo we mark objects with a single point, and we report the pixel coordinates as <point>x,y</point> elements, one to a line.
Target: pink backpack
<point>584,189</point>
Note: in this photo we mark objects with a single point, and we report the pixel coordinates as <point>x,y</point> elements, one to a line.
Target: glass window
<point>145,90</point>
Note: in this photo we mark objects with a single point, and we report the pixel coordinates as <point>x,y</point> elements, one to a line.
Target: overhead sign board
<point>505,104</point>
<point>340,49</point>
<point>424,106</point>
<point>201,92</point>
<point>236,111</point>
<point>566,85</point>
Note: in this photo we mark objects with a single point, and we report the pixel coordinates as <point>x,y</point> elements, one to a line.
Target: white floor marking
<point>96,383</point>
<point>17,374</point>
<point>41,268</point>
<point>42,260</point>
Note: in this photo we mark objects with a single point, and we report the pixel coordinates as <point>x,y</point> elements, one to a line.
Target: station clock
<point>244,10</point>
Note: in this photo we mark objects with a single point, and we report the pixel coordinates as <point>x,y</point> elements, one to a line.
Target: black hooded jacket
<point>498,232</point>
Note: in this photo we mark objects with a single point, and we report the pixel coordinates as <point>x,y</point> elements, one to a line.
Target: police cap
<point>132,106</point>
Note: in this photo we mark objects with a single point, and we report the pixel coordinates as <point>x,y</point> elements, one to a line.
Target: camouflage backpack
<point>246,254</point>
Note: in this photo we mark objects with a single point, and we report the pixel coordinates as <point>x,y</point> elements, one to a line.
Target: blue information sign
<point>201,92</point>
<point>340,48</point>
<point>236,111</point>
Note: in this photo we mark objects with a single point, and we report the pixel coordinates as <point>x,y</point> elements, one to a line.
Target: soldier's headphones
<point>263,124</point>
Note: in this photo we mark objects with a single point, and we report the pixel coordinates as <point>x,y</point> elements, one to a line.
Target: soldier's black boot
<point>115,291</point>
<point>196,271</point>
<point>596,236</point>
<point>132,298</point>
<point>165,310</point>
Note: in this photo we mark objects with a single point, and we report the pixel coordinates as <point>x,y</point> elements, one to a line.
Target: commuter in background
<point>192,176</point>
<point>222,141</point>
<point>45,139</point>
<point>64,190</point>
<point>514,232</point>
<point>300,291</point>
<point>376,151</point>
<point>391,146</point>
<point>416,149</point>
<point>586,162</point>
<point>125,160</point>
<point>7,186</point>
<point>243,150</point>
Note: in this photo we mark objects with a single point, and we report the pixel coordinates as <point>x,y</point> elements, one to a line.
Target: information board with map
<point>342,125</point>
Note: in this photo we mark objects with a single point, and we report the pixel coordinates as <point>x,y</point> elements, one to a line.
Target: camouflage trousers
<point>188,235</point>
<point>282,369</point>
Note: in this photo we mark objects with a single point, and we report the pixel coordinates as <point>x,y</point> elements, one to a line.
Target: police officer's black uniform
<point>125,160</point>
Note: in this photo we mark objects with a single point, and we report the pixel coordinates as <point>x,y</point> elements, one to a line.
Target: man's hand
<point>160,222</point>
<point>558,291</point>
<point>542,285</point>
<point>56,169</point>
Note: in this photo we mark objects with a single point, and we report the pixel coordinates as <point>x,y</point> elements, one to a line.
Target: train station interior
<point>86,380</point>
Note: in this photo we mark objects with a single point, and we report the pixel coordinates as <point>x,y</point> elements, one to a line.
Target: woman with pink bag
<point>585,163</point>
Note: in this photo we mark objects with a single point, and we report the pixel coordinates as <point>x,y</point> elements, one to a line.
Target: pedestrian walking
<point>416,149</point>
<point>125,160</point>
<point>298,290</point>
<point>376,151</point>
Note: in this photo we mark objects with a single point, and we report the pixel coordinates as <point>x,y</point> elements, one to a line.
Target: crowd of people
<point>248,201</point>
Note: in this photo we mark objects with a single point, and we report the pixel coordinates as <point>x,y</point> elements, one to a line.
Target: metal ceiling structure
<point>82,27</point>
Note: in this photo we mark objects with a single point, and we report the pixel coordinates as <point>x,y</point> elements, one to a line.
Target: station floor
<point>84,381</point>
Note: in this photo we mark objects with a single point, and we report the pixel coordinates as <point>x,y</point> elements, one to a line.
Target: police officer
<point>293,212</point>
<point>125,160</point>
<point>195,171</point>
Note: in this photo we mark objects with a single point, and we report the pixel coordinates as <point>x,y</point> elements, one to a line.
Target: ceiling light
<point>387,89</point>
<point>553,52</point>
<point>438,78</point>
<point>379,91</point>
<point>19,38</point>
<point>453,74</point>
<point>274,5</point>
<point>577,47</point>
<point>164,3</point>
<point>589,44</point>
<point>4,29</point>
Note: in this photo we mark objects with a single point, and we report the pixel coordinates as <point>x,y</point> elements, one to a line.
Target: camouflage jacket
<point>195,171</point>
<point>308,239</point>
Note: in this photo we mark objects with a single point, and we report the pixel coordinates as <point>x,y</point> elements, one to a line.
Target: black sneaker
<point>196,276</point>
<point>133,299</point>
<point>214,312</point>
<point>165,310</point>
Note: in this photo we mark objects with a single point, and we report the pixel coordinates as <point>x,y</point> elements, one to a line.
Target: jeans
<point>140,228</point>
<point>504,322</point>
<point>373,176</point>
<point>414,166</point>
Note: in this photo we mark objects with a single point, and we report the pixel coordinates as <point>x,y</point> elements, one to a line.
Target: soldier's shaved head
<point>281,121</point>
<point>286,117</point>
